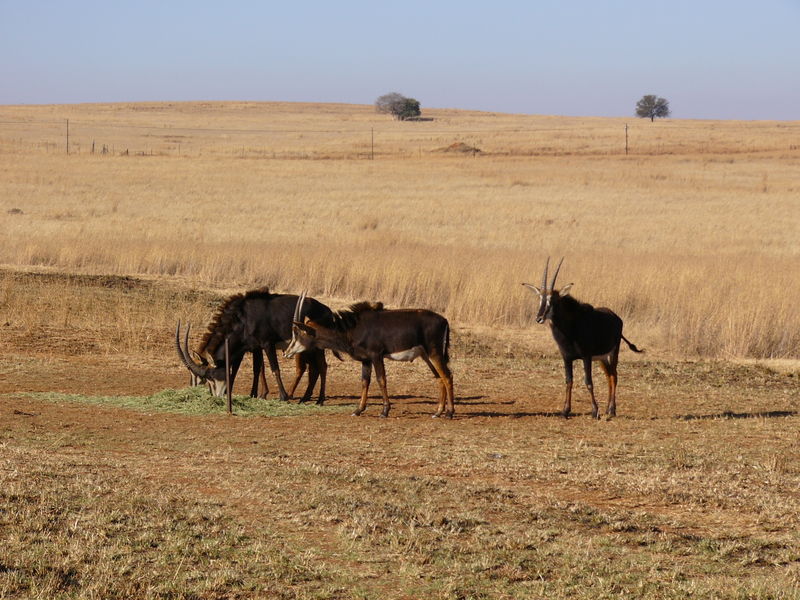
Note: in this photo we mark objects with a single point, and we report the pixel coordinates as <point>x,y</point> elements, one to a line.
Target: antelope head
<point>202,361</point>
<point>548,296</point>
<point>302,335</point>
<point>206,371</point>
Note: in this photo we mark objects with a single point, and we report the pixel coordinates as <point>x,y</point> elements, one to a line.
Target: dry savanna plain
<point>119,481</point>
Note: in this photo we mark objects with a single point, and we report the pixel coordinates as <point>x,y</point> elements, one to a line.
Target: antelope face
<point>194,379</point>
<point>545,303</point>
<point>201,370</point>
<point>214,378</point>
<point>545,306</point>
<point>302,334</point>
<point>303,339</point>
<point>548,295</point>
<point>216,382</point>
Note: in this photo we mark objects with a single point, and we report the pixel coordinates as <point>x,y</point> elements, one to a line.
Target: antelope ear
<point>304,328</point>
<point>207,359</point>
<point>534,288</point>
<point>565,290</point>
<point>311,324</point>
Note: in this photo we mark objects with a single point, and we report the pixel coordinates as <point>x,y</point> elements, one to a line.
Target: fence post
<point>67,136</point>
<point>626,139</point>
<point>228,377</point>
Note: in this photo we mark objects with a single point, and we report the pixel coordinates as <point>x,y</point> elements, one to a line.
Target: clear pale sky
<point>716,59</point>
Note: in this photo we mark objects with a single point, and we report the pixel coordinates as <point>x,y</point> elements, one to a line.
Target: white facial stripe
<point>545,308</point>
<point>294,347</point>
<point>216,387</point>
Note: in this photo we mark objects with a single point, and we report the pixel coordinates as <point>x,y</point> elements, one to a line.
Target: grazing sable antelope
<point>369,334</point>
<point>259,377</point>
<point>582,332</point>
<point>254,321</point>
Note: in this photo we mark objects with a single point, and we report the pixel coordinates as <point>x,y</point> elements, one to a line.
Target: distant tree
<point>389,103</point>
<point>398,106</point>
<point>410,109</point>
<point>651,106</point>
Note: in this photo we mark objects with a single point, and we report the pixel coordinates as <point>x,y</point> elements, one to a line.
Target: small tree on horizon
<point>652,106</point>
<point>397,105</point>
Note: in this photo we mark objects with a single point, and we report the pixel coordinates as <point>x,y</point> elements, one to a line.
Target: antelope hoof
<point>436,415</point>
<point>321,401</point>
<point>449,414</point>
<point>356,413</point>
<point>384,414</point>
<point>565,414</point>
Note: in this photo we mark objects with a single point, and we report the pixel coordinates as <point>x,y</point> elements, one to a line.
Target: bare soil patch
<point>459,148</point>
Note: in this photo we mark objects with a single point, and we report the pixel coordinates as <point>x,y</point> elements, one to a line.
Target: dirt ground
<point>683,428</point>
<point>499,401</point>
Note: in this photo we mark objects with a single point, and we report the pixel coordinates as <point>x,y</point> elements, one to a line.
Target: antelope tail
<point>631,346</point>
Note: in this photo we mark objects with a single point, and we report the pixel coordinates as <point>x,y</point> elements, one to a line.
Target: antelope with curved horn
<point>581,332</point>
<point>252,322</point>
<point>369,334</point>
<point>259,389</point>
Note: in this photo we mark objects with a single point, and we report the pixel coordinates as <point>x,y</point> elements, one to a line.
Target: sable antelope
<point>259,376</point>
<point>254,321</point>
<point>582,332</point>
<point>369,334</point>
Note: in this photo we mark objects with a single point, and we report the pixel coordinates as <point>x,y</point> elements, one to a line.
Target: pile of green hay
<point>192,401</point>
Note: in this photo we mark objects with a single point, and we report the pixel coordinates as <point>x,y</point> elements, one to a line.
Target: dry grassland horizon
<point>692,238</point>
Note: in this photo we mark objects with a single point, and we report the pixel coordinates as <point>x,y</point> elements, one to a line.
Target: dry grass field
<point>112,487</point>
<point>697,249</point>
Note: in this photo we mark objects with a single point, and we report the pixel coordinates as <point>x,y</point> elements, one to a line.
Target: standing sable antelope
<point>254,321</point>
<point>582,332</point>
<point>369,334</point>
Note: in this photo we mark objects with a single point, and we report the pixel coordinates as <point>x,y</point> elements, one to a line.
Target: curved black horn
<point>544,276</point>
<point>298,309</point>
<point>183,352</point>
<point>558,268</point>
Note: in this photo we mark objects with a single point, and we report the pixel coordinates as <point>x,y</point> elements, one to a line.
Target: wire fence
<point>424,138</point>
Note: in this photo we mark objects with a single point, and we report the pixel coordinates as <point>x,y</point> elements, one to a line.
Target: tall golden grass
<point>693,238</point>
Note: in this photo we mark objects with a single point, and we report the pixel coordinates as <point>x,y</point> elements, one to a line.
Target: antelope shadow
<point>727,414</point>
<point>420,399</point>
<point>523,414</point>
